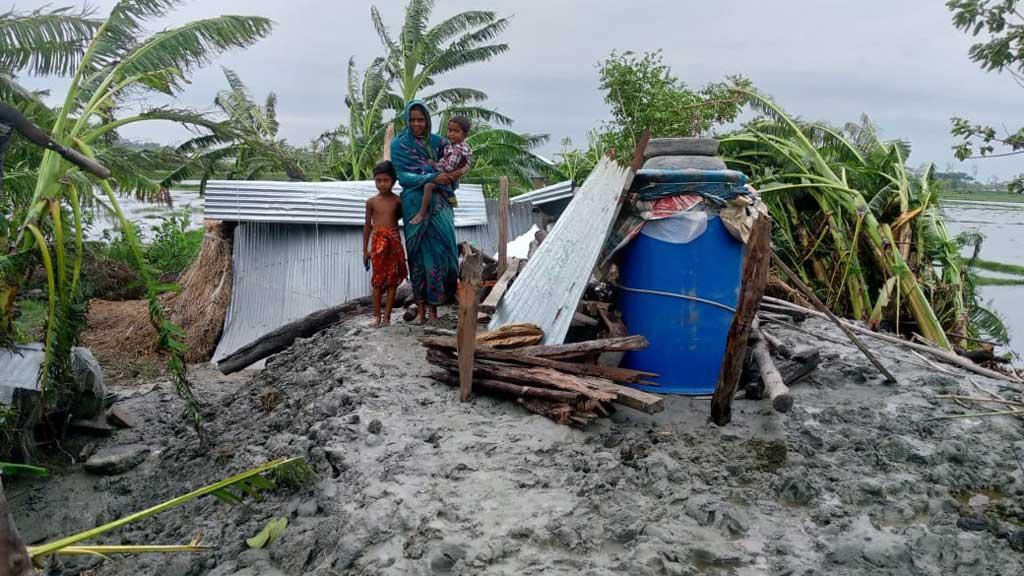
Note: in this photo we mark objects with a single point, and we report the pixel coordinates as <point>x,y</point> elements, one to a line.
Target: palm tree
<point>498,152</point>
<point>243,142</point>
<point>424,53</point>
<point>117,62</point>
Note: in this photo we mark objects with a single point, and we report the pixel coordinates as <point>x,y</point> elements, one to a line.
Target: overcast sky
<point>901,62</point>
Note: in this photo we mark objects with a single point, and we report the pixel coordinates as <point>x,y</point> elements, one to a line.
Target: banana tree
<point>423,53</point>
<point>118,62</point>
<point>799,157</point>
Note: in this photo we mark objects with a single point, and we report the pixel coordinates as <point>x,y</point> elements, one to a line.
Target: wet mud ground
<point>858,478</point>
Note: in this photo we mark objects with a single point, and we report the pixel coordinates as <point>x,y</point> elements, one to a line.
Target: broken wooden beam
<point>774,387</point>
<point>490,304</point>
<point>755,278</point>
<point>281,338</point>
<point>558,412</point>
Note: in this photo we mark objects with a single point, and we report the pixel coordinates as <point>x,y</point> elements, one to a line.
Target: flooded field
<point>1003,226</point>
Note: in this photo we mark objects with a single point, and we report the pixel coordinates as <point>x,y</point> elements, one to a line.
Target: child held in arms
<point>457,155</point>
<point>382,244</point>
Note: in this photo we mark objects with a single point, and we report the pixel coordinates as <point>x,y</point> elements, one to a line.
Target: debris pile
<point>560,382</point>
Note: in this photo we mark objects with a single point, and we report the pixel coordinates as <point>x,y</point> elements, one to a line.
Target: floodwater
<point>1002,224</point>
<point>148,214</point>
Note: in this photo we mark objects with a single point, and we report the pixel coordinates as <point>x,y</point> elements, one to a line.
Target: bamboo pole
<point>842,326</point>
<point>948,357</point>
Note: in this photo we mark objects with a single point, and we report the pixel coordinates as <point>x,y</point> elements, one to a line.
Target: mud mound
<point>857,479</point>
<point>120,331</point>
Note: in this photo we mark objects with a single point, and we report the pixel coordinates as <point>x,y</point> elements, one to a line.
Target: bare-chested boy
<point>382,244</point>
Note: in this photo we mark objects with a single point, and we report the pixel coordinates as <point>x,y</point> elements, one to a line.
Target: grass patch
<point>984,197</point>
<point>31,319</point>
<point>993,266</point>
<point>990,281</point>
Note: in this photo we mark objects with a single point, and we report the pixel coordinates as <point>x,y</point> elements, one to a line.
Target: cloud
<point>902,63</point>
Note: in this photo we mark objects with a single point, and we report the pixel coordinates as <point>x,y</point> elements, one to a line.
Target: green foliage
<point>644,94</point>
<point>249,483</point>
<point>31,320</point>
<point>424,53</point>
<point>993,266</point>
<point>242,145</point>
<point>273,530</point>
<point>1000,24</point>
<point>1016,186</point>
<point>858,226</point>
<point>114,63</point>
<point>174,246</point>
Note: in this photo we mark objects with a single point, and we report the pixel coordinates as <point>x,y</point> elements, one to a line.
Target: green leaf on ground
<point>270,533</point>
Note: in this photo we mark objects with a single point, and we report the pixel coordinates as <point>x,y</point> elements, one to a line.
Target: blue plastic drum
<point>682,297</point>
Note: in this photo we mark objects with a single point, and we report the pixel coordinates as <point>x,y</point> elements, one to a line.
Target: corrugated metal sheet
<point>552,193</point>
<point>283,271</point>
<point>315,202</point>
<point>549,289</point>
<point>20,369</point>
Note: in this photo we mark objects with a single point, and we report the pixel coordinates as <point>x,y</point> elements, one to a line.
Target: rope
<point>680,296</point>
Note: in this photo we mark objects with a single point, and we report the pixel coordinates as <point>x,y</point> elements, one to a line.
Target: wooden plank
<point>542,377</point>
<point>576,349</point>
<point>516,356</point>
<point>508,389</point>
<point>630,397</point>
<point>502,226</point>
<point>490,304</point>
<point>755,278</point>
<point>469,287</point>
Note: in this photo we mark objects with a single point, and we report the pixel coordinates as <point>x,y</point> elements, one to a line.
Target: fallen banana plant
<point>286,471</point>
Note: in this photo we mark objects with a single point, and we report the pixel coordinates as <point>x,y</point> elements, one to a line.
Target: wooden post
<point>469,287</point>
<point>389,135</point>
<point>502,225</point>
<point>755,278</point>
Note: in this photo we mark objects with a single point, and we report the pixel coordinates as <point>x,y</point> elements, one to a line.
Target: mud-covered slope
<point>857,479</point>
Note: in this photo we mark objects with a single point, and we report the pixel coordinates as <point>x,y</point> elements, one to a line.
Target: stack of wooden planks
<point>560,382</point>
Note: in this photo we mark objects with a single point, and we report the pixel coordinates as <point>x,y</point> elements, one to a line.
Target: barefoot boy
<point>385,250</point>
<point>457,157</point>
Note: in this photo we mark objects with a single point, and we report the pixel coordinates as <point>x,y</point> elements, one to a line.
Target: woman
<point>430,245</point>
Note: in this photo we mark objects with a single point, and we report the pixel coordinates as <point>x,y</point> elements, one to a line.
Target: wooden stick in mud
<point>807,292</point>
<point>469,286</point>
<point>945,356</point>
<point>774,386</point>
<point>502,225</point>
<point>755,278</point>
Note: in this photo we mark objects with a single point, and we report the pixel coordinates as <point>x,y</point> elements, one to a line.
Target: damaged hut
<point>298,247</point>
